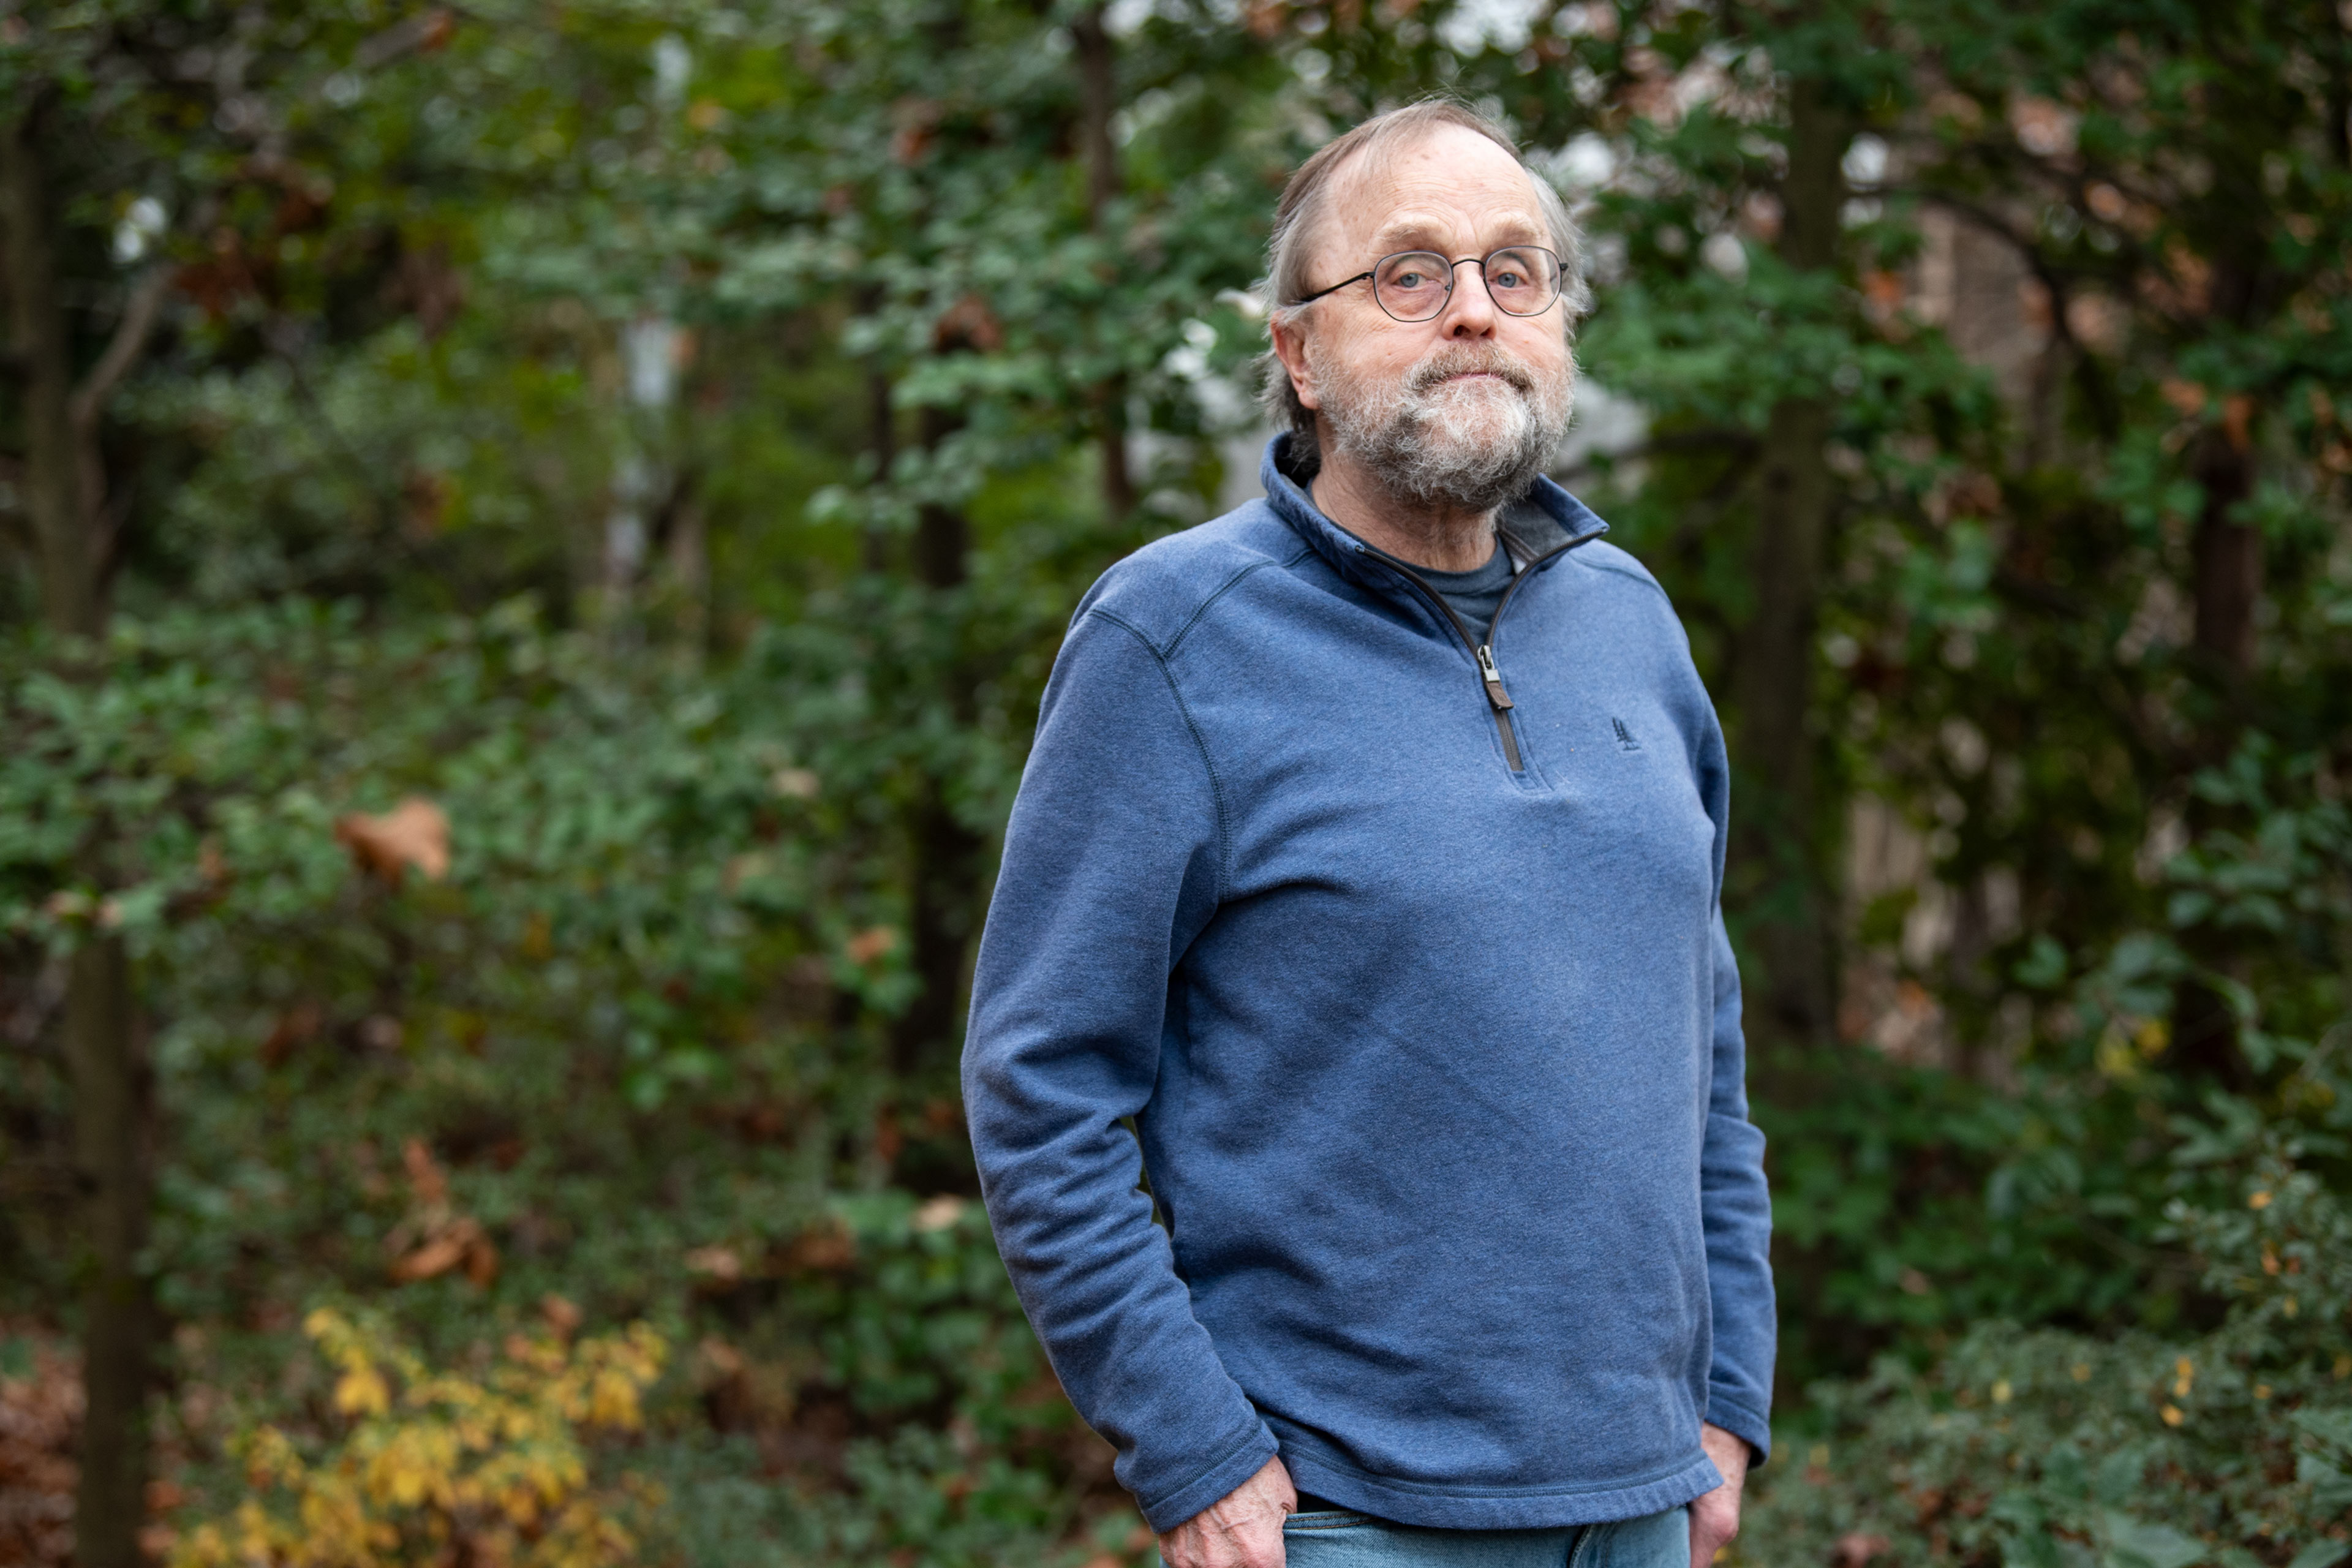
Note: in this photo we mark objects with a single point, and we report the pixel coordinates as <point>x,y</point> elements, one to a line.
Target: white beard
<point>1471,445</point>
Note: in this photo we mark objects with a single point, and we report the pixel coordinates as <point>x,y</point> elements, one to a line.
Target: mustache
<point>1461,358</point>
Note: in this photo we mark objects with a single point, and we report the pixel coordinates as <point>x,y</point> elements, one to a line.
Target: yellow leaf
<point>362,1391</point>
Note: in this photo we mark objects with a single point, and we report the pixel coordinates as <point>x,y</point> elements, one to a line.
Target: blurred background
<point>533,532</point>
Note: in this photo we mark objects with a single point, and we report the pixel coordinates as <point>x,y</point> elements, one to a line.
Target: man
<point>1368,858</point>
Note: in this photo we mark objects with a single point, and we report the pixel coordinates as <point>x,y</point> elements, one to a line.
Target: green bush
<point>2045,1449</point>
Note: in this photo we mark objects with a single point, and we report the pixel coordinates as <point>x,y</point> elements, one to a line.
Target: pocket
<point>1324,1519</point>
<point>1652,1540</point>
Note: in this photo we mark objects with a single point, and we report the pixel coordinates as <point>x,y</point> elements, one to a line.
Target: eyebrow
<point>1417,233</point>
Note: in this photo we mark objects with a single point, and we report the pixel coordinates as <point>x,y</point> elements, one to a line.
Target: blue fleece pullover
<point>1423,1008</point>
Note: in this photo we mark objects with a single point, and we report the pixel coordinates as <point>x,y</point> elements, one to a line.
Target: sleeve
<point>1113,862</point>
<point>1736,1210</point>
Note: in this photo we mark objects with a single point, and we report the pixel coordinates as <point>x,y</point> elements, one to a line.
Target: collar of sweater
<point>1536,529</point>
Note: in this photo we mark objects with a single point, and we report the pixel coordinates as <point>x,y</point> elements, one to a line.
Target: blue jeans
<point>1341,1539</point>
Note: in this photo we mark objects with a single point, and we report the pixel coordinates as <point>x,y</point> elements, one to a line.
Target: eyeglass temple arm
<point>1310,299</point>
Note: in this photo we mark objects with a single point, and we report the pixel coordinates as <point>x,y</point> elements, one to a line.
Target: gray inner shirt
<point>1475,594</point>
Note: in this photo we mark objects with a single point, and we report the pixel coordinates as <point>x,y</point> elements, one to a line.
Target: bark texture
<point>56,489</point>
<point>2226,556</point>
<point>118,1326</point>
<point>1780,866</point>
<point>1099,84</point>
<point>948,856</point>
<point>64,495</point>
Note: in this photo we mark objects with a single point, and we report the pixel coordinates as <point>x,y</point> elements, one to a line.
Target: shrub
<point>2047,1449</point>
<point>441,1466</point>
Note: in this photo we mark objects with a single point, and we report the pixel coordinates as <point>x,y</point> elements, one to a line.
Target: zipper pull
<point>1488,673</point>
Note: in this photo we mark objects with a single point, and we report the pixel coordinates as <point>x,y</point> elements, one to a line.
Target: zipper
<point>1490,680</point>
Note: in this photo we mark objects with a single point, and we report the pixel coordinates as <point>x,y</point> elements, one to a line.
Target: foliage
<point>492,1468</point>
<point>2049,1448</point>
<point>599,508</point>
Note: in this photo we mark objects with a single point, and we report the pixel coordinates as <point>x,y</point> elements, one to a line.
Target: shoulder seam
<point>1208,765</point>
<point>1194,618</point>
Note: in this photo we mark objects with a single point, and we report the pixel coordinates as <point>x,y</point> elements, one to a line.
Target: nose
<point>1470,309</point>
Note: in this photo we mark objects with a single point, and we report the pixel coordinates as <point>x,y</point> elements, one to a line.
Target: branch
<point>285,340</point>
<point>1982,216</point>
<point>131,335</point>
<point>425,30</point>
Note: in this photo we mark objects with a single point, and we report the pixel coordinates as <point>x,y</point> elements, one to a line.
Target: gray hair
<point>1296,216</point>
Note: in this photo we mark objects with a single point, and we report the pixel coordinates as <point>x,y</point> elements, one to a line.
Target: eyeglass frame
<point>1559,272</point>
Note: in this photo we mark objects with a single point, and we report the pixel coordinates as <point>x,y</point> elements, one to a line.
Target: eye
<point>1509,278</point>
<point>1410,280</point>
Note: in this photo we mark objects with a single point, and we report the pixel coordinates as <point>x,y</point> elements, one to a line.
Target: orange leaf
<point>871,943</point>
<point>2237,420</point>
<point>424,1174</point>
<point>560,1313</point>
<point>436,1257</point>
<point>414,833</point>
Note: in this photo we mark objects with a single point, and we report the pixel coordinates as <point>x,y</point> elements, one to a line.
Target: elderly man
<point>1368,867</point>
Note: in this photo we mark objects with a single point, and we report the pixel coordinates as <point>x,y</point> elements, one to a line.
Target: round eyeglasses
<point>1414,284</point>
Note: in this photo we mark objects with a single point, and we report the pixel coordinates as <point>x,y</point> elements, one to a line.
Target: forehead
<point>1445,187</point>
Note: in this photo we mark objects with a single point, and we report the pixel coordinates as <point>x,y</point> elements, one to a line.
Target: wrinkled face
<point>1463,410</point>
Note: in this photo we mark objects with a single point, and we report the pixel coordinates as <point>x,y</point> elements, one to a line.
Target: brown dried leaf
<point>298,1026</point>
<point>414,833</point>
<point>425,1177</point>
<point>1855,1549</point>
<point>824,1250</point>
<point>719,1262</point>
<point>871,943</point>
<point>437,1257</point>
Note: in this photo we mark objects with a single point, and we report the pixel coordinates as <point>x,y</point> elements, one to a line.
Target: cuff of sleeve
<point>1165,1513</point>
<point>1749,1425</point>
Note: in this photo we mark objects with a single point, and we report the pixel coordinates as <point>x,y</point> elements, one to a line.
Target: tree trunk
<point>2229,561</point>
<point>118,1325</point>
<point>946,855</point>
<point>62,484</point>
<point>1777,815</point>
<point>2227,556</point>
<point>56,497</point>
<point>1098,87</point>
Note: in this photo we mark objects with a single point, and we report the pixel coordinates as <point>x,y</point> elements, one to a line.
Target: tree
<point>96,107</point>
<point>60,411</point>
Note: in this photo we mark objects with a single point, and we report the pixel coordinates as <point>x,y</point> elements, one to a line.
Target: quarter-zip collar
<point>1536,529</point>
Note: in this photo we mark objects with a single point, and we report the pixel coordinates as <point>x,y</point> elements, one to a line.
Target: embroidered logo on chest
<point>1625,741</point>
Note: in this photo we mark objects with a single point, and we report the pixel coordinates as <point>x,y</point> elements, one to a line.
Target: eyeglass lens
<point>1413,285</point>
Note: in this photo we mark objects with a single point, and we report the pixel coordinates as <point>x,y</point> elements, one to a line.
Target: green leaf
<point>2139,1543</point>
<point>2333,1427</point>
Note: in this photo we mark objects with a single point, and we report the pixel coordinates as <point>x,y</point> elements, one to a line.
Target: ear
<point>1288,331</point>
